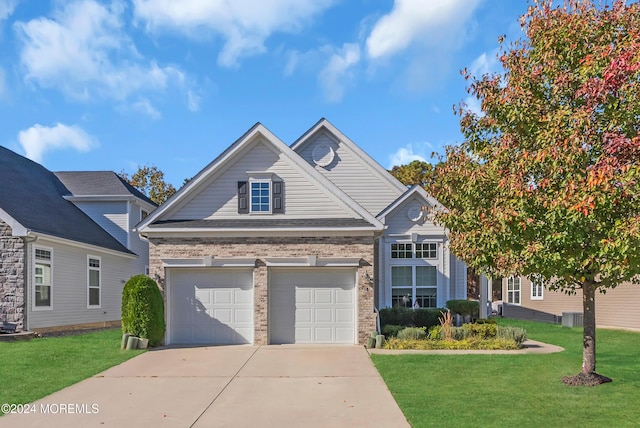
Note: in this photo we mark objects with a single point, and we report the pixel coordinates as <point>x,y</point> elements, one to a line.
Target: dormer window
<point>262,194</point>
<point>260,197</point>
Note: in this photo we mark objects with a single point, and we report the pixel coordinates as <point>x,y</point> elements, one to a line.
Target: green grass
<point>33,369</point>
<point>519,390</point>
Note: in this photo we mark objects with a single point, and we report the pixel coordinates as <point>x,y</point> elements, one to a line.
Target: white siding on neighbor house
<point>69,287</point>
<point>352,175</point>
<point>111,216</point>
<point>302,198</point>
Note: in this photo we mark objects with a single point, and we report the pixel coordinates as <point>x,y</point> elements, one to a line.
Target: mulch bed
<point>585,379</point>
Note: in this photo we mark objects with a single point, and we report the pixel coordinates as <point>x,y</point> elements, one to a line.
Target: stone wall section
<point>360,247</point>
<point>12,277</point>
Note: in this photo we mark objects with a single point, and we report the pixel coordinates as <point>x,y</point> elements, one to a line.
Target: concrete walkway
<point>227,386</point>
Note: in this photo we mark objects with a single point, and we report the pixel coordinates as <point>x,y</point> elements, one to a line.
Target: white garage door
<point>312,305</point>
<point>210,306</point>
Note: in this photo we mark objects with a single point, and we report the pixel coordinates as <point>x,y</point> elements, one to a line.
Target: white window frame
<point>537,288</point>
<point>413,285</point>
<point>269,196</point>
<point>49,263</point>
<point>413,250</point>
<point>511,293</point>
<point>89,286</point>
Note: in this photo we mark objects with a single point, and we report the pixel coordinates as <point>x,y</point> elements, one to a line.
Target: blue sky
<point>110,85</point>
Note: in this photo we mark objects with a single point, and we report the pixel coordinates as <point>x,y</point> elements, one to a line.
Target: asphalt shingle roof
<point>103,183</point>
<point>33,196</point>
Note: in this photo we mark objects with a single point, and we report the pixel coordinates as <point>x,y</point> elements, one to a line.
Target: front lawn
<point>36,368</point>
<point>519,390</point>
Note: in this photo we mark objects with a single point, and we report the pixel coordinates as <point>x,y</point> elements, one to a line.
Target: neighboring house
<point>528,299</point>
<point>273,244</point>
<point>66,245</point>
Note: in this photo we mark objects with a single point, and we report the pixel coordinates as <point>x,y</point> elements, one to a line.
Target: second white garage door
<point>210,306</point>
<point>312,305</point>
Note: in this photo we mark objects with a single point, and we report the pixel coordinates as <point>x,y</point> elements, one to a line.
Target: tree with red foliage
<point>547,181</point>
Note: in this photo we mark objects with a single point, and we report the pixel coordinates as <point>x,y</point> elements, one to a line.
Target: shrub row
<point>464,344</point>
<point>464,308</point>
<point>480,331</point>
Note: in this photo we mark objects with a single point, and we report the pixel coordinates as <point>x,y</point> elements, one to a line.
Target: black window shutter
<point>276,193</point>
<point>243,197</point>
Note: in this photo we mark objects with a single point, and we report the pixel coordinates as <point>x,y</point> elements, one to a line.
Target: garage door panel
<point>211,306</point>
<point>314,305</point>
<point>323,315</point>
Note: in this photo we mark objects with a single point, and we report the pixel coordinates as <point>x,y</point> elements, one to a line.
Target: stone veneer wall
<point>12,277</point>
<point>358,247</point>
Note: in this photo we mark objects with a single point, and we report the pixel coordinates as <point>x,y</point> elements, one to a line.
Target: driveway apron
<point>226,386</point>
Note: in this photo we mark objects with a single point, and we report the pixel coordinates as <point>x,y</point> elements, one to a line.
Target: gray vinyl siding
<point>458,278</point>
<point>136,243</point>
<point>219,199</point>
<point>69,287</point>
<point>111,216</point>
<point>357,179</point>
<point>399,222</point>
<point>617,308</point>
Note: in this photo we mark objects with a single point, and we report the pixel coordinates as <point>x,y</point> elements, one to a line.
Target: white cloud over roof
<point>83,51</point>
<point>38,140</point>
<point>243,24</point>
<point>419,22</point>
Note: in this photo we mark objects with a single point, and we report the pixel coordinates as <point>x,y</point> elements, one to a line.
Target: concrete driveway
<point>226,386</point>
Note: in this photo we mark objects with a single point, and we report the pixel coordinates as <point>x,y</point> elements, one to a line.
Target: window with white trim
<point>260,196</point>
<point>42,274</point>
<point>537,288</point>
<point>94,280</point>
<point>414,286</point>
<point>513,290</point>
<point>418,250</point>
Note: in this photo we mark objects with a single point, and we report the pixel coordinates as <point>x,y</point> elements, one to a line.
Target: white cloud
<point>473,105</point>
<point>338,71</point>
<point>243,24</point>
<point>422,22</point>
<point>406,154</point>
<point>84,52</point>
<point>144,106</point>
<point>38,140</point>
<point>484,64</point>
<point>3,83</point>
<point>6,8</point>
<point>193,101</point>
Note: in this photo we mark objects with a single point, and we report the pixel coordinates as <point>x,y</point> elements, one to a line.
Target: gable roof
<point>364,156</point>
<point>414,190</point>
<point>32,196</point>
<point>99,184</point>
<point>154,221</point>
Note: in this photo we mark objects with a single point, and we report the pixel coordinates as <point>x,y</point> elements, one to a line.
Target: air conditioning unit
<point>572,319</point>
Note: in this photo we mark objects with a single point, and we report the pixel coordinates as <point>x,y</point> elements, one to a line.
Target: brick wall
<point>260,248</point>
<point>12,277</point>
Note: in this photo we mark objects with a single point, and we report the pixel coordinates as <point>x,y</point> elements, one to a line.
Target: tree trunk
<point>589,325</point>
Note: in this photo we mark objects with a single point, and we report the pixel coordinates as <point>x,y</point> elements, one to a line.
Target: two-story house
<point>272,244</point>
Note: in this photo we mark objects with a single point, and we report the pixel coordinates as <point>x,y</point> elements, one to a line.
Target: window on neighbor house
<point>43,261</point>
<point>513,290</point>
<point>414,286</point>
<point>537,288</point>
<point>94,280</point>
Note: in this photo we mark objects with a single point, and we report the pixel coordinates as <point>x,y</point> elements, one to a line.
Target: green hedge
<point>143,309</point>
<point>423,317</point>
<point>464,308</point>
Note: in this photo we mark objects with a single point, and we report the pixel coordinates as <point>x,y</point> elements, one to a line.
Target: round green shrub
<point>392,330</point>
<point>143,309</point>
